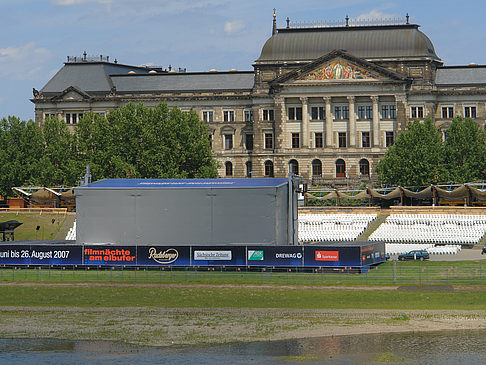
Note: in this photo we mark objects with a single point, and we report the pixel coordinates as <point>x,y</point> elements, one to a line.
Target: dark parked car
<point>415,255</point>
<point>483,251</point>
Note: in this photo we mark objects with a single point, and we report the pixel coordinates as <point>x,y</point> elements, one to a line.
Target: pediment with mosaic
<point>340,70</point>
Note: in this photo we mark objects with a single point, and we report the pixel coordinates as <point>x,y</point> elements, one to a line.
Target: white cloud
<point>24,62</point>
<point>234,26</point>
<point>375,15</point>
<point>76,2</point>
<point>147,6</point>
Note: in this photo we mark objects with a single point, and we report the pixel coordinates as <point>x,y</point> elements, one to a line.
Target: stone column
<point>280,126</point>
<point>352,122</point>
<point>376,121</point>
<point>329,129</point>
<point>305,123</point>
<point>402,114</point>
<point>257,129</point>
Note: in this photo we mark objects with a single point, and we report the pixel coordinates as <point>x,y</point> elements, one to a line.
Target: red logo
<point>327,255</point>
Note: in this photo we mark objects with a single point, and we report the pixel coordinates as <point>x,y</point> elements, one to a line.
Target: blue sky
<point>37,35</point>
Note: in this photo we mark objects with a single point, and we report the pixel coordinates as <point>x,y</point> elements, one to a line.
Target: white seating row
<point>432,228</point>
<point>315,227</point>
<point>71,235</point>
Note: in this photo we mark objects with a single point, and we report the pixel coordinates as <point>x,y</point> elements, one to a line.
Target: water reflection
<point>445,347</point>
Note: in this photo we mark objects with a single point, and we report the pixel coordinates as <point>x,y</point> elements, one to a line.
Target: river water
<point>444,347</point>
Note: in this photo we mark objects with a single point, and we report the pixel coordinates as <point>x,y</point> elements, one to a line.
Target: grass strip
<point>239,297</point>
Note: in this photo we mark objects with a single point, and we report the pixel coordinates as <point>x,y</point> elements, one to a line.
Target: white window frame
<point>205,115</point>
<point>248,113</point>
<point>447,110</point>
<point>470,110</point>
<point>415,109</point>
<point>266,117</point>
<point>228,115</point>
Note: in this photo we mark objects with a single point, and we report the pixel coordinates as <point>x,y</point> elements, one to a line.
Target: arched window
<point>248,169</point>
<point>268,169</point>
<point>364,167</point>
<point>340,168</point>
<point>316,168</point>
<point>229,168</point>
<point>294,167</point>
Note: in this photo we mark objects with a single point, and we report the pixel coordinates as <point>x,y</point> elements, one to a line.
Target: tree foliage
<point>416,157</point>
<point>420,157</point>
<point>133,141</point>
<point>465,151</point>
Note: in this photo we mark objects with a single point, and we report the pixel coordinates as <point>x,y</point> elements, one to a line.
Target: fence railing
<point>390,274</point>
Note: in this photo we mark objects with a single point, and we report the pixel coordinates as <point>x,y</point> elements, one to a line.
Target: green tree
<point>465,151</point>
<point>21,148</point>
<point>59,164</point>
<point>416,157</point>
<point>136,141</point>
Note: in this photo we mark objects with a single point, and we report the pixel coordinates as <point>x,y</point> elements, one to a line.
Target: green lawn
<point>51,225</point>
<point>239,297</point>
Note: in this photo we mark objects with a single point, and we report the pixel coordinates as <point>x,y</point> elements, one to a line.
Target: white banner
<point>212,255</point>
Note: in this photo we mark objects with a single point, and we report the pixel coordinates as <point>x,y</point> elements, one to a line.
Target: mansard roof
<point>101,77</point>
<point>368,42</point>
<point>92,77</point>
<point>461,75</point>
<point>201,81</point>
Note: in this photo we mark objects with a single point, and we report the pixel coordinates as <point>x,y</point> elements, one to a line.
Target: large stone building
<point>324,102</point>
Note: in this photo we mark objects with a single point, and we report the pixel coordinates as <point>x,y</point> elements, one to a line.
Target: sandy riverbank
<point>189,326</point>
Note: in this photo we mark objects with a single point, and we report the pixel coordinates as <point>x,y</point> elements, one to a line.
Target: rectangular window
<point>228,116</point>
<point>341,112</point>
<point>228,141</point>
<point>248,115</point>
<point>337,112</point>
<point>447,112</point>
<point>393,112</point>
<point>249,141</point>
<point>295,113</point>
<point>365,112</point>
<point>208,116</point>
<point>295,140</point>
<point>361,112</point>
<point>317,113</point>
<point>268,114</point>
<point>385,109</point>
<point>369,112</point>
<point>342,140</point>
<point>388,139</point>
<point>417,112</point>
<point>268,140</point>
<point>72,118</point>
<point>50,115</point>
<point>318,140</point>
<point>365,139</point>
<point>470,112</point>
<point>345,112</point>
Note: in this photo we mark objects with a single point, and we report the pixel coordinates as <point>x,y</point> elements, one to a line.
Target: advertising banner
<point>164,255</point>
<point>56,255</point>
<point>291,256</point>
<point>373,254</point>
<point>40,255</point>
<point>218,256</point>
<point>331,256</point>
<point>110,255</point>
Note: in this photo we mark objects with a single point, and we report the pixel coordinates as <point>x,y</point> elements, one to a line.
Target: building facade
<point>323,102</point>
